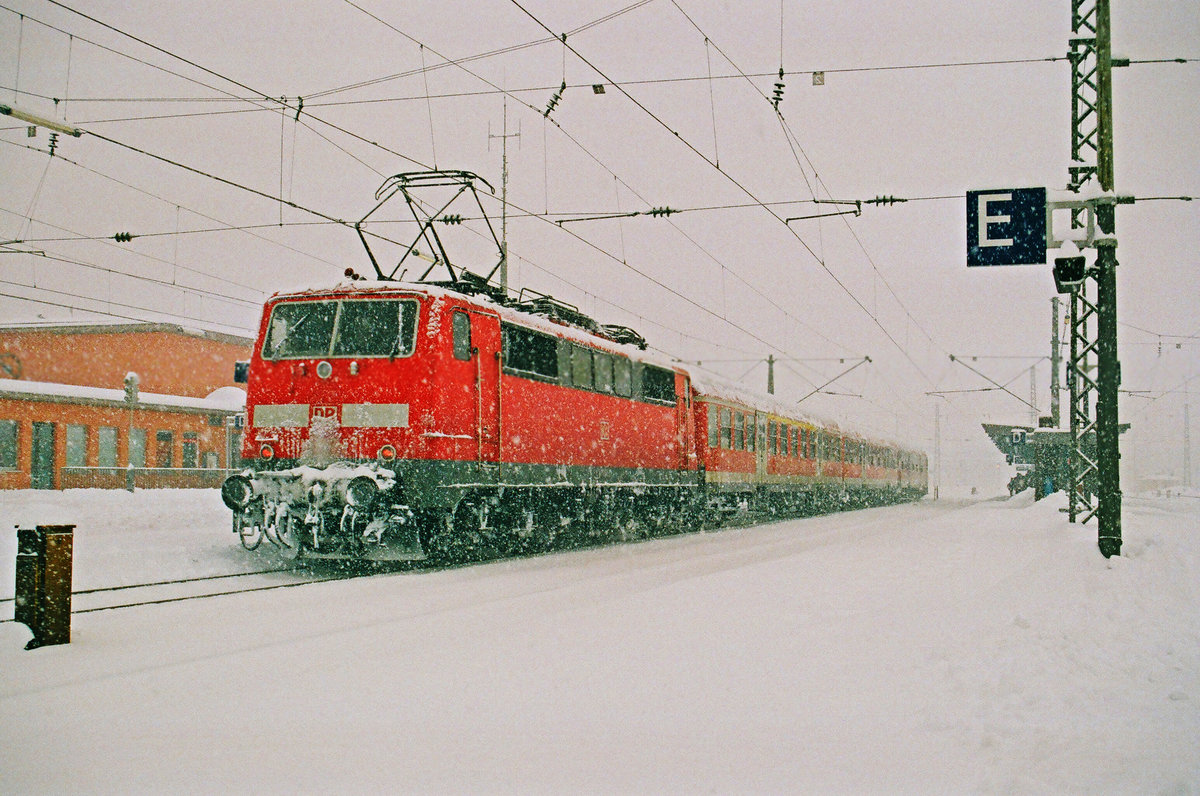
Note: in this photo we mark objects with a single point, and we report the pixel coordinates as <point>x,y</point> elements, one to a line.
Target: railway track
<point>110,598</point>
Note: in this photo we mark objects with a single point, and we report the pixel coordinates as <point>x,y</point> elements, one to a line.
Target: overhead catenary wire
<point>741,186</point>
<point>584,149</point>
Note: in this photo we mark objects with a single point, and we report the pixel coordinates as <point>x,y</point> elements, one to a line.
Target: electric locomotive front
<point>348,390</point>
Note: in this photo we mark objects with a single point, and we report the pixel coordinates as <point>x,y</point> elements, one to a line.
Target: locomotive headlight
<point>266,451</point>
<point>237,492</point>
<point>361,492</point>
<point>387,453</point>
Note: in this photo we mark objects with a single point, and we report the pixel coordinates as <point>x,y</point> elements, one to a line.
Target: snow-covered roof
<point>512,314</point>
<point>227,399</point>
<point>102,326</point>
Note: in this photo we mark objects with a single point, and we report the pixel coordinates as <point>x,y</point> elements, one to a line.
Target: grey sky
<point>725,284</point>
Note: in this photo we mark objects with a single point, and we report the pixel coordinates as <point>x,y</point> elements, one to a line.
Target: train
<point>447,420</point>
<point>411,421</point>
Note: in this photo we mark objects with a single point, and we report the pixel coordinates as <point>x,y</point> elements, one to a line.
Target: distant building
<point>70,415</point>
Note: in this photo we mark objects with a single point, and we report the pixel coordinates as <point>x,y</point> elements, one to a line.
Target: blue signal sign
<point>1006,226</point>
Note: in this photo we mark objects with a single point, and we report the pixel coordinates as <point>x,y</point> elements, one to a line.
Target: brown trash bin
<point>43,588</point>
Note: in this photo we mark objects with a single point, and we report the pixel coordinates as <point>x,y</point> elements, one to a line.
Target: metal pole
<point>770,374</point>
<point>1108,433</point>
<point>1055,364</point>
<point>937,447</point>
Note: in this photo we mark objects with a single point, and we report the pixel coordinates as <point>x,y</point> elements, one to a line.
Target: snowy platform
<point>949,646</point>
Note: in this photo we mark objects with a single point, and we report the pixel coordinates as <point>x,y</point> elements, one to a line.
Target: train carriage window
<point>796,443</point>
<point>623,376</point>
<point>751,433</point>
<point>726,429</point>
<point>714,435</point>
<point>581,367</point>
<point>785,433</point>
<point>603,371</point>
<point>658,385</point>
<point>739,432</point>
<point>461,334</point>
<point>530,353</point>
<point>772,438</point>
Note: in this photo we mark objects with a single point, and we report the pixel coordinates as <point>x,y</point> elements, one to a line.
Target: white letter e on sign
<point>985,219</point>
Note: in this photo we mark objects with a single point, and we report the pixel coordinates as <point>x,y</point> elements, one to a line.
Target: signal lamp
<point>1069,273</point>
<point>267,452</point>
<point>387,453</point>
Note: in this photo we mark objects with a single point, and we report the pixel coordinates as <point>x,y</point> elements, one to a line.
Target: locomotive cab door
<point>477,337</point>
<point>685,420</point>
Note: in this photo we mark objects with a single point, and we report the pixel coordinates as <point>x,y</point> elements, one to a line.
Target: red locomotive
<point>391,420</point>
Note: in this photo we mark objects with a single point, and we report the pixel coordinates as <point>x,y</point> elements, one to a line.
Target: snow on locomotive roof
<point>508,313</point>
<point>707,385</point>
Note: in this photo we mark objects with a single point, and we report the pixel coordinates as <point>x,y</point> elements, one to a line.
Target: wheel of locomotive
<point>250,533</point>
<point>542,520</point>
<point>628,522</point>
<point>288,536</point>
<point>478,528</point>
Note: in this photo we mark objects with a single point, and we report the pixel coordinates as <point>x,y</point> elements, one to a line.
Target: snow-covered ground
<point>943,647</point>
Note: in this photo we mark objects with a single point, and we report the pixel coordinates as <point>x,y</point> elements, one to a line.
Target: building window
<point>108,446</point>
<point>191,453</point>
<point>164,449</point>
<point>8,444</point>
<point>137,447</point>
<point>76,446</point>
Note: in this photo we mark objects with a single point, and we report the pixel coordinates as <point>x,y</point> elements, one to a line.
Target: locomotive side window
<point>461,332</point>
<point>527,352</point>
<point>658,385</point>
<point>623,376</point>
<point>603,366</point>
<point>581,367</point>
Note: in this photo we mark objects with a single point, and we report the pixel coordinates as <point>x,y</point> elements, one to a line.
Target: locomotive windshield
<point>350,328</point>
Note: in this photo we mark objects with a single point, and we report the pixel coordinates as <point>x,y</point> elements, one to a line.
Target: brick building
<point>67,419</point>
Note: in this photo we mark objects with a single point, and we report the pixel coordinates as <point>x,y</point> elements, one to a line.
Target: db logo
<point>325,413</point>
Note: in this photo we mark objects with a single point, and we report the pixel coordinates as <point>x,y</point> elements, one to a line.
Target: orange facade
<point>168,359</point>
<point>66,421</point>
